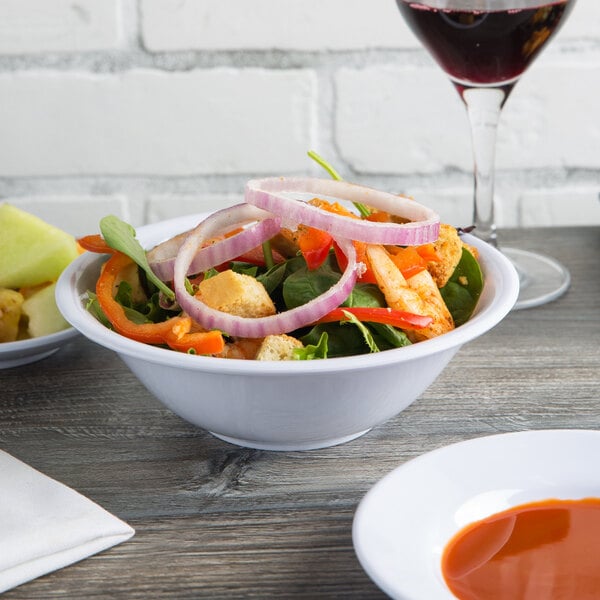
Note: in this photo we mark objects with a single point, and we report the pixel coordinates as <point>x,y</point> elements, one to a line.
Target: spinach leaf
<point>388,337</point>
<point>364,330</point>
<point>365,294</point>
<point>273,277</point>
<point>244,268</point>
<point>121,236</point>
<point>463,289</point>
<point>293,264</point>
<point>312,352</point>
<point>359,339</point>
<point>342,340</point>
<point>303,285</point>
<point>212,272</point>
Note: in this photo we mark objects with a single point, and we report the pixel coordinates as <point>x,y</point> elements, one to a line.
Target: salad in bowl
<point>303,269</point>
<point>298,319</point>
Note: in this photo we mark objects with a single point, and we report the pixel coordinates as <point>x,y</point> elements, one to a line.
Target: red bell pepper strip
<point>361,256</point>
<point>387,316</point>
<point>314,245</point>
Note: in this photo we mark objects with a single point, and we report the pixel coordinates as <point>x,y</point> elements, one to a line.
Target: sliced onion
<point>276,195</point>
<point>166,251</point>
<point>259,327</point>
<point>264,226</point>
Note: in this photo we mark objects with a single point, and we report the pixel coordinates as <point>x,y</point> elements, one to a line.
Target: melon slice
<point>31,251</point>
<point>43,315</point>
<point>10,314</point>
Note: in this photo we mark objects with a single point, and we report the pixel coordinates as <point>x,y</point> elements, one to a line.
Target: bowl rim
<point>71,304</point>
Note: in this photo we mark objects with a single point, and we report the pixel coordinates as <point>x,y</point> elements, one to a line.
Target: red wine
<point>484,48</point>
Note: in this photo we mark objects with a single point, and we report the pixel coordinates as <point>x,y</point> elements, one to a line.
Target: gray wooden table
<point>217,521</point>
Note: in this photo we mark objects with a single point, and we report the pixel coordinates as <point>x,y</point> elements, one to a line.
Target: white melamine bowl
<point>291,405</point>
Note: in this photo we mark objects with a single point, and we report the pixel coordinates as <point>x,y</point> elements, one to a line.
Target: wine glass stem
<point>483,109</point>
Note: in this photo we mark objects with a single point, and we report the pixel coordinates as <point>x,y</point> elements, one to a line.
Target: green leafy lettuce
<point>463,289</point>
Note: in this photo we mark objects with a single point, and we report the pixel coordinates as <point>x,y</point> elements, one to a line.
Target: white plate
<point>15,354</point>
<point>403,523</point>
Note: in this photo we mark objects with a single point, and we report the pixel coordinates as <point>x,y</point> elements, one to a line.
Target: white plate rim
<point>22,352</point>
<point>399,531</point>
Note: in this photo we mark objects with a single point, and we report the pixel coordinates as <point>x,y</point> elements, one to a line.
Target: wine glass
<point>484,46</point>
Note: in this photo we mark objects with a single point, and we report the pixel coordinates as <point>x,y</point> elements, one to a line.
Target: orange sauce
<point>548,550</point>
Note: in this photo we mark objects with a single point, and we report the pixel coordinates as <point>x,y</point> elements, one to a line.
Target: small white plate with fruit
<point>23,352</point>
<point>32,256</point>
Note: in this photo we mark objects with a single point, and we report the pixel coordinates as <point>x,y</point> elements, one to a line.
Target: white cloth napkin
<point>45,525</point>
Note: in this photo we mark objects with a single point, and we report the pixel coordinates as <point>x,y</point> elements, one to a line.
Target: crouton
<point>448,247</point>
<point>236,294</point>
<point>278,347</point>
<point>242,348</point>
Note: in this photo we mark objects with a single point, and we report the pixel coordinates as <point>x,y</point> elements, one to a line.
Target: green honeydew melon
<point>43,315</point>
<point>32,252</point>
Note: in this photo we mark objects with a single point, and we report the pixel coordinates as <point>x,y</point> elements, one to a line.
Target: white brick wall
<point>155,108</point>
<point>265,24</point>
<point>34,26</point>
<point>148,122</point>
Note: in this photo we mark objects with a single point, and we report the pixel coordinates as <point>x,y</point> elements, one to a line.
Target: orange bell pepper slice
<point>171,332</point>
<point>200,342</point>
<point>413,259</point>
<point>379,216</point>
<point>150,333</point>
<point>428,252</point>
<point>408,260</point>
<point>95,243</point>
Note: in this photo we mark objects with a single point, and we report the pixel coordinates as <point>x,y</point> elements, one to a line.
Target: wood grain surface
<point>216,521</point>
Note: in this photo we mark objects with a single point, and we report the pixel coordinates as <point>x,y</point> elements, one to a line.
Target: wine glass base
<point>542,279</point>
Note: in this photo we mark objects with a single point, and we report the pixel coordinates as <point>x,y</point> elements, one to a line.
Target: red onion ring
<point>259,327</point>
<point>162,257</point>
<point>274,194</point>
